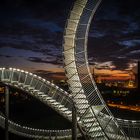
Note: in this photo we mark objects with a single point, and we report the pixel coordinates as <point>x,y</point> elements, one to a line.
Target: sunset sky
<point>31,34</point>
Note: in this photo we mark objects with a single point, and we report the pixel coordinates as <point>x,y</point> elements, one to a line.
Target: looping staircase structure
<point>45,91</point>
<point>90,105</point>
<point>93,115</point>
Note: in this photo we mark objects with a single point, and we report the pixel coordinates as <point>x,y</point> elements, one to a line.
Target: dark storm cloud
<point>51,60</point>
<point>37,60</point>
<point>7,56</point>
<point>17,39</point>
<point>48,72</point>
<point>31,40</point>
<point>49,75</point>
<point>42,25</point>
<point>24,31</point>
<point>115,33</point>
<point>108,49</point>
<point>130,43</point>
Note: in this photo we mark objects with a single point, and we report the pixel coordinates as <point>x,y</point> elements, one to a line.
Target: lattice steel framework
<point>45,91</point>
<point>89,102</point>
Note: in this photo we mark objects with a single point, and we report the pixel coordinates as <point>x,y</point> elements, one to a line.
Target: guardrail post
<point>74,123</point>
<point>6,112</point>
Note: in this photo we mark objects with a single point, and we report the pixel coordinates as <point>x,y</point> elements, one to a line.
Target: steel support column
<point>74,123</point>
<point>6,112</point>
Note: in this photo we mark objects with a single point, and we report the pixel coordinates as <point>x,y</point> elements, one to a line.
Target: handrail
<point>34,132</point>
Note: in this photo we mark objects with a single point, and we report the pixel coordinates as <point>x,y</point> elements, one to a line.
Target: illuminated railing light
<point>26,72</point>
<point>118,119</point>
<point>30,73</point>
<point>39,77</point>
<point>52,84</point>
<point>35,75</point>
<point>61,89</point>
<point>44,80</point>
<point>126,120</point>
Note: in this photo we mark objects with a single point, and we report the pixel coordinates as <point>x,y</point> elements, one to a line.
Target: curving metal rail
<point>40,88</point>
<point>130,127</point>
<point>46,92</point>
<point>33,132</point>
<point>59,100</point>
<point>88,100</point>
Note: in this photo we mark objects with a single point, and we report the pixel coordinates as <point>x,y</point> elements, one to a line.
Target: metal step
<point>93,129</point>
<point>98,135</point>
<point>88,120</point>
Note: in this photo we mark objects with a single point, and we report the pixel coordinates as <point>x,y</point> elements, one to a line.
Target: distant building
<point>136,73</point>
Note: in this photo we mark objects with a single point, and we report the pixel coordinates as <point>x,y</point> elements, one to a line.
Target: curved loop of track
<point>45,91</point>
<point>89,103</point>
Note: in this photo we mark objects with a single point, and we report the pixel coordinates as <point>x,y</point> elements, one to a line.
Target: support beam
<point>6,112</point>
<point>74,123</point>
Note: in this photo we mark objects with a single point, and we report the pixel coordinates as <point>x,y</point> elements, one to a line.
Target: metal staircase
<point>45,91</point>
<point>91,107</point>
<point>48,93</point>
<point>79,98</point>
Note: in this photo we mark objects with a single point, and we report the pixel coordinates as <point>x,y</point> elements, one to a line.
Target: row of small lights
<point>44,80</point>
<point>25,127</point>
<point>133,121</point>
